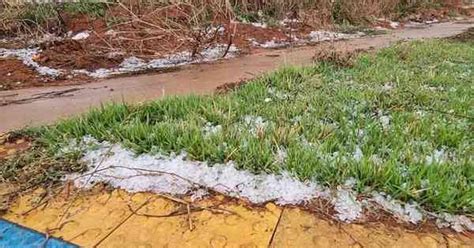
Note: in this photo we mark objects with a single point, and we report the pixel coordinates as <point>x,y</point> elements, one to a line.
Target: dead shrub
<point>228,87</point>
<point>362,11</point>
<point>152,28</point>
<point>16,16</point>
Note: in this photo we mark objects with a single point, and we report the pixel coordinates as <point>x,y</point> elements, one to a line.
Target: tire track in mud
<point>38,96</point>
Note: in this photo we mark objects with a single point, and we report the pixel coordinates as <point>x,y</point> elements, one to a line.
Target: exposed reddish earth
<point>71,54</point>
<point>15,75</point>
<point>79,22</point>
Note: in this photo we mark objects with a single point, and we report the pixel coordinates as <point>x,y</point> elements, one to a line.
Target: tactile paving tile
<point>383,236</point>
<point>299,228</point>
<point>120,219</point>
<point>243,228</point>
<point>88,219</point>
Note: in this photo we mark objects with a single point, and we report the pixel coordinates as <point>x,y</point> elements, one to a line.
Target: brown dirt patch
<point>77,23</point>
<point>15,75</point>
<point>100,49</point>
<point>338,56</point>
<point>71,54</point>
<point>225,88</point>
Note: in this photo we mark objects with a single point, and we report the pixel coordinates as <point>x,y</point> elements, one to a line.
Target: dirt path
<point>19,108</point>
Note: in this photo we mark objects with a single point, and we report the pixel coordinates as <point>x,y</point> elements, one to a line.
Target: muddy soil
<point>71,54</point>
<point>15,75</point>
<point>107,50</point>
<point>102,50</point>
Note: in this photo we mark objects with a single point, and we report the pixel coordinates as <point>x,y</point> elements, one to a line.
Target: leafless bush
<point>150,28</point>
<point>313,11</point>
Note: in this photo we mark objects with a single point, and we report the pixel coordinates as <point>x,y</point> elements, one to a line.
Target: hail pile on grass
<point>399,121</point>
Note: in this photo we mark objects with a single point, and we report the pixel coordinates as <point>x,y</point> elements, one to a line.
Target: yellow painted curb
<point>303,229</point>
<point>120,219</point>
<point>84,221</point>
<point>241,227</point>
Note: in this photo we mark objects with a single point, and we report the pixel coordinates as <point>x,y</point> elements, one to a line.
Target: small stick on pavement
<point>190,221</point>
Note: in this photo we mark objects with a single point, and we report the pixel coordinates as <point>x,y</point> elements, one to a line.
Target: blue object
<point>14,235</point>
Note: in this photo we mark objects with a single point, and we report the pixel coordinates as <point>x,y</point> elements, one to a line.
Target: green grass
<point>49,12</point>
<point>321,115</point>
<point>87,7</point>
<point>38,14</point>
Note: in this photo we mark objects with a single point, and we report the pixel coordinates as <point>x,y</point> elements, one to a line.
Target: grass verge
<point>398,121</point>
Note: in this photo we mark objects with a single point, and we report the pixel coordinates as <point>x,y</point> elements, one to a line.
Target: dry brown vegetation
<point>24,17</point>
<point>188,22</point>
<point>338,56</point>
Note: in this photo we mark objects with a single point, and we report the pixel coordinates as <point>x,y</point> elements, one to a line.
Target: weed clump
<point>465,37</point>
<point>36,166</point>
<point>336,57</point>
